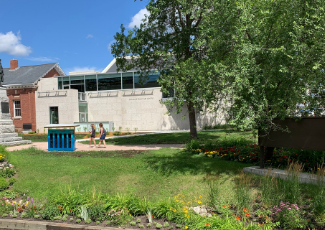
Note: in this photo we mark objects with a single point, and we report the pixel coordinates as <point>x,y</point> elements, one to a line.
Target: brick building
<point>22,84</point>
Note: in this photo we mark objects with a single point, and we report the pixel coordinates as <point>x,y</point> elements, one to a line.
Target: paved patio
<point>83,147</point>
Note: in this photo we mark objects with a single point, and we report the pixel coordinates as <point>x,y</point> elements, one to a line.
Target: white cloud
<point>137,19</point>
<point>89,36</point>
<point>43,59</point>
<point>11,44</point>
<point>109,46</point>
<point>85,68</point>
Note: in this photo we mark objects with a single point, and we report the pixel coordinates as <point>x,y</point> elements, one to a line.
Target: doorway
<point>54,115</point>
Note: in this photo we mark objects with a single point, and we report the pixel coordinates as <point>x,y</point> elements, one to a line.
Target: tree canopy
<point>275,58</point>
<point>166,42</point>
<point>264,57</point>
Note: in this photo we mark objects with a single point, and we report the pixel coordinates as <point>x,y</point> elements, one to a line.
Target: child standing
<point>92,135</point>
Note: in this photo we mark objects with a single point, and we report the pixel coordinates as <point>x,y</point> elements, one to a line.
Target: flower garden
<point>200,187</point>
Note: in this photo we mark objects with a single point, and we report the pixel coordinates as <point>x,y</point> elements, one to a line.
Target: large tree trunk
<point>192,119</point>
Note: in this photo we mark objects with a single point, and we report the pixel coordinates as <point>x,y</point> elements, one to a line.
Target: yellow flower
<point>199,202</point>
<point>186,227</point>
<point>200,197</point>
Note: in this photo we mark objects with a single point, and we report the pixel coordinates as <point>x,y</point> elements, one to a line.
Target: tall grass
<point>243,196</point>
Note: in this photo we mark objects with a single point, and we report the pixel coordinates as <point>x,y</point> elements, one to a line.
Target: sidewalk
<point>85,147</point>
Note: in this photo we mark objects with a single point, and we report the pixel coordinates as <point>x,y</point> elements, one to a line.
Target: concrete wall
<point>47,84</point>
<point>126,108</point>
<point>143,111</point>
<point>68,108</point>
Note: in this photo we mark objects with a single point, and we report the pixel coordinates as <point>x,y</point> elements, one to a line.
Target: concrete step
<point>22,142</point>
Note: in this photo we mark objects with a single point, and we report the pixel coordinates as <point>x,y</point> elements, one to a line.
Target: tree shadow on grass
<point>188,164</point>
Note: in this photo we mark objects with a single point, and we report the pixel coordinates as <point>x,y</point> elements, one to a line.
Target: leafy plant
<point>148,225</point>
<point>166,225</point>
<point>88,221</point>
<point>138,220</point>
<point>116,133</point>
<point>78,221</point>
<point>4,215</point>
<point>84,213</point>
<point>159,226</point>
<point>140,225</point>
<point>96,212</point>
<point>149,216</point>
<point>12,180</point>
<point>132,223</point>
<point>71,219</point>
<point>64,218</point>
<point>7,173</point>
<point>50,212</point>
<point>3,183</point>
<point>97,222</point>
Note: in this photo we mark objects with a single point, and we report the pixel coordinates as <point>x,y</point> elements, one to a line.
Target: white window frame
<point>18,109</point>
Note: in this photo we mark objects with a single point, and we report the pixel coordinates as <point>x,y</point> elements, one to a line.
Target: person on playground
<point>102,135</point>
<point>92,135</point>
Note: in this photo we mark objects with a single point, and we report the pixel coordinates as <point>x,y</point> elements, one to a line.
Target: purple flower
<point>28,198</point>
<point>31,200</point>
<point>284,215</point>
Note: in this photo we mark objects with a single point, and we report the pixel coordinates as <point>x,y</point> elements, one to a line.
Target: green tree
<point>274,58</point>
<point>165,42</point>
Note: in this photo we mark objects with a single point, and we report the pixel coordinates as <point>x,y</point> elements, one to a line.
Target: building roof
<point>112,68</point>
<point>26,75</point>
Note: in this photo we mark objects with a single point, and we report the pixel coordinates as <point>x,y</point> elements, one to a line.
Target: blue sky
<point>76,34</point>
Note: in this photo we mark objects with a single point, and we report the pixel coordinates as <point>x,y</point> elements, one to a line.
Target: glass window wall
<point>109,81</point>
<point>59,82</point>
<point>103,82</point>
<point>146,82</point>
<point>91,83</point>
<point>127,80</point>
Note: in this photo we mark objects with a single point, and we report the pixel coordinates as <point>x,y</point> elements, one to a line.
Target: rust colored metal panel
<point>306,133</point>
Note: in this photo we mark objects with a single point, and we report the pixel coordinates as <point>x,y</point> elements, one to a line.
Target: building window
<point>17,108</point>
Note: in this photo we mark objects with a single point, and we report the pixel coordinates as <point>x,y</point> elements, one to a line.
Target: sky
<point>77,34</point>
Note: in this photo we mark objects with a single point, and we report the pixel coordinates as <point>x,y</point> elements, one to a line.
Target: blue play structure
<point>61,137</point>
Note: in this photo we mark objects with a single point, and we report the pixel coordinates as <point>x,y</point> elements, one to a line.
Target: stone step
<point>7,128</point>
<point>10,139</point>
<point>22,142</point>
<point>4,135</point>
<point>6,122</point>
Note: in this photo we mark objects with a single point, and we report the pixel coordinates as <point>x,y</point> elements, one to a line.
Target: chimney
<point>13,64</point>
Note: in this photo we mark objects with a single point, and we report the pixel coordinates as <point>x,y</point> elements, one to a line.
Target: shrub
<point>88,221</point>
<point>116,133</point>
<point>3,183</point>
<point>12,180</point>
<point>96,212</point>
<point>7,173</point>
<point>78,221</point>
<point>288,215</point>
<point>50,212</point>
<point>192,145</point>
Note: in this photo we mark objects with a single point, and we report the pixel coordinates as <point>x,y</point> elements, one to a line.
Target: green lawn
<point>177,138</point>
<point>154,175</point>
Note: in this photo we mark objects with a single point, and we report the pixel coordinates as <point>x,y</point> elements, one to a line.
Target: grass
<point>155,175</point>
<point>175,138</point>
